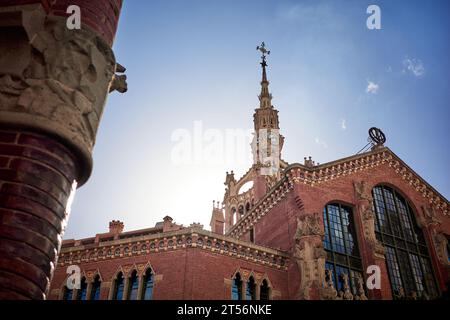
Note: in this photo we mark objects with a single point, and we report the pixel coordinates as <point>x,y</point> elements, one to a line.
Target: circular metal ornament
<point>377,135</point>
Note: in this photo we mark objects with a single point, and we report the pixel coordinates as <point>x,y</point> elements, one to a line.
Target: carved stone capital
<point>53,79</point>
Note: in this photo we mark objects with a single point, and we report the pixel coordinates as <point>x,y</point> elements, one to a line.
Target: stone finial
<point>196,225</point>
<point>116,226</point>
<point>309,162</point>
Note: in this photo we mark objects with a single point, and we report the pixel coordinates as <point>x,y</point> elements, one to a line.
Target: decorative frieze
<point>189,237</point>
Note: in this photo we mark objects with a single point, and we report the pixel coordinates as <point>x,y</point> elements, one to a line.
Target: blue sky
<point>331,78</point>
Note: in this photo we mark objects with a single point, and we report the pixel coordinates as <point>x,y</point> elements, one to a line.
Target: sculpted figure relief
<point>441,243</point>
<point>309,253</point>
<point>309,225</point>
<point>362,191</point>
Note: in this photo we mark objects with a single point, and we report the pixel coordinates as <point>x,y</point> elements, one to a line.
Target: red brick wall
<point>189,273</point>
<point>36,176</point>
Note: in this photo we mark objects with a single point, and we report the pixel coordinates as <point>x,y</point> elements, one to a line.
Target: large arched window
<point>264,291</point>
<point>147,292</point>
<point>236,288</point>
<point>81,293</point>
<point>250,292</point>
<point>95,291</point>
<point>133,286</point>
<point>118,287</point>
<point>341,245</point>
<point>407,255</point>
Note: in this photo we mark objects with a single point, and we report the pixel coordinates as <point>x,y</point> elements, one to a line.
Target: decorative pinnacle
<point>265,97</point>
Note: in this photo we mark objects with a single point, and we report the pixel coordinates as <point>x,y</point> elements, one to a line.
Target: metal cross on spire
<point>263,50</point>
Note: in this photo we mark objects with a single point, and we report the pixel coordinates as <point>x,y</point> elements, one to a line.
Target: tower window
<point>252,235</point>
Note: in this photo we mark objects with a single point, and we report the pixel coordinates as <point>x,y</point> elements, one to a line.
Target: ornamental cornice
<point>175,240</point>
<point>300,174</point>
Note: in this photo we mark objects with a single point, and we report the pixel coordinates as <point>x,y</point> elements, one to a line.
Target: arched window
<point>247,207</point>
<point>67,294</point>
<point>264,291</point>
<point>241,210</point>
<point>233,216</point>
<point>133,286</point>
<point>236,288</point>
<point>81,293</point>
<point>95,291</point>
<point>341,246</point>
<point>147,291</point>
<point>250,292</point>
<point>118,287</point>
<point>407,255</point>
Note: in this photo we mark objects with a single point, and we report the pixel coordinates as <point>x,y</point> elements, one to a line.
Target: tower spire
<point>265,98</point>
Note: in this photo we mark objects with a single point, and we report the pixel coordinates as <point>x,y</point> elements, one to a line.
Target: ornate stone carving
<point>309,254</point>
<point>360,293</point>
<point>440,243</point>
<point>59,79</point>
<point>309,225</point>
<point>345,293</point>
<point>328,292</point>
<point>362,191</point>
<point>429,217</point>
<point>368,219</point>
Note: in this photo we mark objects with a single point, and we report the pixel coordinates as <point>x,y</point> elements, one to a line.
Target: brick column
<point>36,177</point>
<point>53,87</point>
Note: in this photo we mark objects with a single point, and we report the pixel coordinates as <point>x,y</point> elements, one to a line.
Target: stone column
<point>310,256</point>
<point>53,87</point>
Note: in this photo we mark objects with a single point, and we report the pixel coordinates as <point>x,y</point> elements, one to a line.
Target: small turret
<point>217,219</point>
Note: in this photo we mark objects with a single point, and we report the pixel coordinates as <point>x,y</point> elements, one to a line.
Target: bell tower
<point>267,141</point>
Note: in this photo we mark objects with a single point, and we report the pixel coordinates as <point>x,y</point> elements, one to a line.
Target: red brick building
<point>301,231</point>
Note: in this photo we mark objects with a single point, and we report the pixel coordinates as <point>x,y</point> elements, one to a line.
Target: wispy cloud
<point>321,142</point>
<point>372,87</point>
<point>343,124</point>
<point>414,66</point>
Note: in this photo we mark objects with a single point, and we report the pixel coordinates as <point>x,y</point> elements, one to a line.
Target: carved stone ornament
<point>360,293</point>
<point>346,293</point>
<point>368,220</point>
<point>58,81</point>
<point>429,217</point>
<point>309,225</point>
<point>328,292</point>
<point>309,254</point>
<point>441,243</point>
<point>362,191</point>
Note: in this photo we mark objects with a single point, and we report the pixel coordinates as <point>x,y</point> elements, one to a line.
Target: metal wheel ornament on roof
<point>377,136</point>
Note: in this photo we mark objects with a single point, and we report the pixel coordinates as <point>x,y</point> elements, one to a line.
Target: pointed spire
<point>265,98</point>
